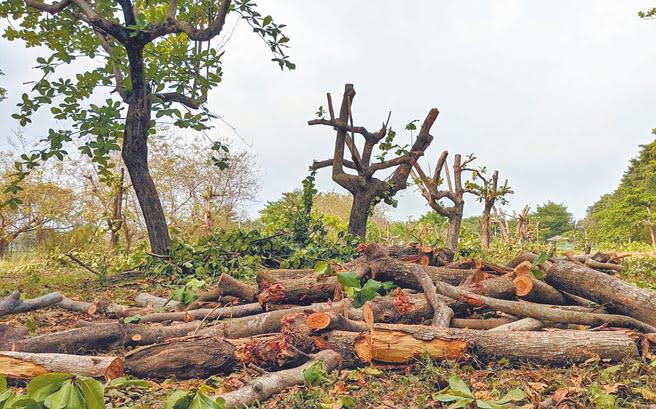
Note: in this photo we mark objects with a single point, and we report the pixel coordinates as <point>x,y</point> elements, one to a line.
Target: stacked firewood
<point>554,311</point>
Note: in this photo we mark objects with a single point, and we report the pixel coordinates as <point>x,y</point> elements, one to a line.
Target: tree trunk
<point>25,365</point>
<point>453,232</point>
<point>617,295</point>
<point>135,155</point>
<point>360,213</point>
<point>485,227</point>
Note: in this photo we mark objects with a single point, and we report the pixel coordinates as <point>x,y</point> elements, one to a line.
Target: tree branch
<point>171,25</point>
<point>48,8</point>
<point>193,103</point>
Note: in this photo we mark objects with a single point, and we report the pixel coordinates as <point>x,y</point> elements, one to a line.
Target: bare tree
<point>366,189</point>
<point>489,192</point>
<point>430,187</point>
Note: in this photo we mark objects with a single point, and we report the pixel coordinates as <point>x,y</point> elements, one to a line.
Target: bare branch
<point>319,164</point>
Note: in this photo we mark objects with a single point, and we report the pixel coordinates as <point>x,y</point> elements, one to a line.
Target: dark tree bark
<point>135,154</point>
<point>489,192</point>
<point>363,186</point>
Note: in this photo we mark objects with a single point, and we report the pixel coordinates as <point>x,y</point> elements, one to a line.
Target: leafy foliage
<point>298,239</point>
<point>459,395</point>
<point>625,215</point>
<point>362,293</point>
<point>62,391</point>
<point>554,219</point>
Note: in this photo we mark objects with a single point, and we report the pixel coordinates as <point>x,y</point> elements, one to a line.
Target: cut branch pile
<point>561,311</point>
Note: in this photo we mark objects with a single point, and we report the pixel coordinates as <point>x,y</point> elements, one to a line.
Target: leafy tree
<point>45,204</point>
<point>149,58</point>
<point>626,214</point>
<point>554,219</point>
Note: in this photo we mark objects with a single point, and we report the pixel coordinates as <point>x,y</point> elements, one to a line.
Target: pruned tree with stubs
<point>366,189</point>
<point>433,191</point>
<point>135,62</point>
<point>489,192</point>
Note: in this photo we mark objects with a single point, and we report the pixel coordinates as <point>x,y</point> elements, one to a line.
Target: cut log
<point>525,324</point>
<point>305,290</point>
<point>209,314</point>
<point>25,365</point>
<point>616,295</point>
<point>9,303</point>
<point>504,287</point>
<point>396,344</point>
<point>260,389</point>
<point>265,278</point>
<point>541,311</point>
<point>182,359</point>
<point>13,305</point>
<point>148,300</point>
<point>402,273</point>
<point>230,286</point>
<point>11,333</point>
<point>99,337</point>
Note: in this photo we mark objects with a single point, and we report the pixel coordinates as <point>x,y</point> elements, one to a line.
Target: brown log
<point>265,278</point>
<point>25,365</point>
<point>98,337</point>
<point>11,333</point>
<point>13,305</point>
<point>525,324</point>
<point>260,389</point>
<point>229,285</point>
<point>105,306</point>
<point>402,273</point>
<point>305,290</point>
<point>615,294</point>
<point>210,314</point>
<point>504,287</point>
<point>541,311</point>
<point>148,300</point>
<point>395,344</point>
<point>182,359</point>
<point>523,285</point>
<point>9,303</point>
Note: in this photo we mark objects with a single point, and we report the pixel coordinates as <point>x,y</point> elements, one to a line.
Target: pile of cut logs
<point>556,311</point>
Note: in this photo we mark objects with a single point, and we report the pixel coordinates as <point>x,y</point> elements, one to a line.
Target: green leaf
<point>539,274</point>
<point>456,384</point>
<point>541,259</point>
<point>4,395</point>
<point>42,386</point>
<point>132,319</point>
<point>348,279</point>
<point>370,289</point>
<point>202,401</point>
<point>21,402</point>
<point>179,400</point>
<point>314,373</point>
<point>601,398</point>
<point>3,383</point>
<point>513,395</point>
<point>92,391</point>
<point>445,397</point>
<point>123,381</point>
<point>67,397</point>
<point>323,268</point>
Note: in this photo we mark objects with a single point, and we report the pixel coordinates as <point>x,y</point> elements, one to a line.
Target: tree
<point>554,219</point>
<point>626,213</point>
<point>489,192</point>
<point>153,54</point>
<point>367,190</point>
<point>44,204</point>
<point>454,192</point>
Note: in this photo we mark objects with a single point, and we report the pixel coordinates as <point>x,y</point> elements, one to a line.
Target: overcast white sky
<point>557,95</point>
